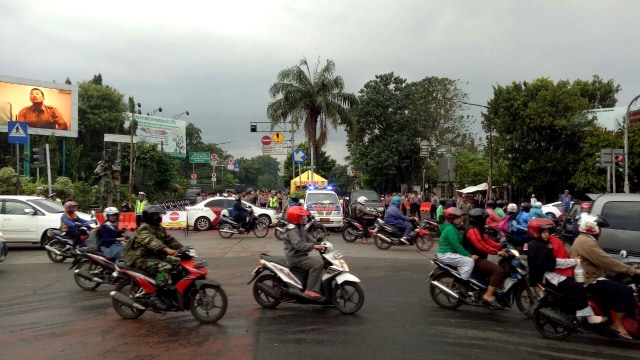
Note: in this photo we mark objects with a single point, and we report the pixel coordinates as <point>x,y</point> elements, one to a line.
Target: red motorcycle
<point>189,290</point>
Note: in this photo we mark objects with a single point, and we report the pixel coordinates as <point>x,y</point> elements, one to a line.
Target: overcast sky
<point>217,59</point>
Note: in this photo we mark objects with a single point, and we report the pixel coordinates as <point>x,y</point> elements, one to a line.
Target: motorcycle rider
<point>516,229</point>
<point>240,213</point>
<point>70,222</point>
<point>394,217</point>
<point>149,248</point>
<point>585,207</point>
<point>359,213</point>
<point>536,211</point>
<point>478,243</point>
<point>440,211</point>
<point>596,262</point>
<point>550,265</point>
<point>450,249</point>
<point>493,220</point>
<point>499,209</point>
<point>297,245</point>
<point>112,238</point>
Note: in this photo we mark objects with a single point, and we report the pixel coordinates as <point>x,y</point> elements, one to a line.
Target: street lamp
<point>155,111</point>
<point>490,189</point>
<point>176,117</point>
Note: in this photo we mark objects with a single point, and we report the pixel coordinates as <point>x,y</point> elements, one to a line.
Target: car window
<point>12,207</point>
<point>47,205</point>
<point>322,198</point>
<point>219,203</point>
<point>622,215</point>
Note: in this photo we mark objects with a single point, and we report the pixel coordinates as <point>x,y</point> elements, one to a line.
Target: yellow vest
<point>140,206</point>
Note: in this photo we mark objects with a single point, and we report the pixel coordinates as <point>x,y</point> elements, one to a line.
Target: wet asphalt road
<point>45,315</point>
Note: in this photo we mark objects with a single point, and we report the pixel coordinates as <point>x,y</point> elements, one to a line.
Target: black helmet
<point>149,211</point>
<point>525,206</point>
<point>491,204</point>
<point>500,203</point>
<point>295,199</point>
<point>478,217</point>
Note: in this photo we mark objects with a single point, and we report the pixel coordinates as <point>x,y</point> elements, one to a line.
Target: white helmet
<point>110,211</point>
<point>589,224</point>
<point>362,200</point>
<point>512,208</point>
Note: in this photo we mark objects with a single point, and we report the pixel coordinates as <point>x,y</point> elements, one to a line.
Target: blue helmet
<point>396,200</point>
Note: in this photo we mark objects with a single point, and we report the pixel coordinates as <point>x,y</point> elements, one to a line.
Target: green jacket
<point>499,212</point>
<point>148,243</point>
<point>451,240</point>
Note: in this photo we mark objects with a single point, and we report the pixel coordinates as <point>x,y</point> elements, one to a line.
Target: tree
<point>599,93</point>
<point>314,100</point>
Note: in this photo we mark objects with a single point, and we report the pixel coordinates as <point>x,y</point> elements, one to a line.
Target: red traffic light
<point>618,158</point>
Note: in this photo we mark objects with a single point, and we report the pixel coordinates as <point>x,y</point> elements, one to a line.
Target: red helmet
<point>296,215</point>
<point>452,213</point>
<point>585,206</point>
<point>536,225</point>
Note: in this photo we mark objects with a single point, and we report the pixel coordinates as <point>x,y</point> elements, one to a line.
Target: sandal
<point>492,303</point>
<point>621,335</point>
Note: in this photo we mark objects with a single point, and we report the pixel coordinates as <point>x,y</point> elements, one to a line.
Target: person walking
<point>565,199</point>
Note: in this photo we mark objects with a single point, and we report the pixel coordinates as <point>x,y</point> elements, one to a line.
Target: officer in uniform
<point>39,115</point>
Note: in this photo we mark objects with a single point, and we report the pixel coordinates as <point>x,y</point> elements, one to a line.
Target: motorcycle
<point>553,322</point>
<point>61,247</point>
<point>228,226</point>
<point>276,282</point>
<point>313,226</point>
<point>388,236</point>
<point>432,226</point>
<point>353,230</point>
<point>448,289</point>
<point>93,269</point>
<point>190,290</point>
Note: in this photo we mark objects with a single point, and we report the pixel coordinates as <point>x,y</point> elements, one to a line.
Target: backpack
<point>95,239</point>
<point>504,224</point>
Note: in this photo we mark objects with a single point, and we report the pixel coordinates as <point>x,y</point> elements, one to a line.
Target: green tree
<point>599,93</point>
<point>314,99</point>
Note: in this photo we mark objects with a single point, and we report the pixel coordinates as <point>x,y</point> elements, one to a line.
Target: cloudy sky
<point>217,59</point>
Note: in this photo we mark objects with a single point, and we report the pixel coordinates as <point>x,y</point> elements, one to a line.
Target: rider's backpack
<point>94,239</point>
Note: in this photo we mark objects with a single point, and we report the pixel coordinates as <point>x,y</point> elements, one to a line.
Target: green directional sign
<point>199,158</point>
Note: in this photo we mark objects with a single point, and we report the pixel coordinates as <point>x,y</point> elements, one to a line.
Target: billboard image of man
<point>39,115</point>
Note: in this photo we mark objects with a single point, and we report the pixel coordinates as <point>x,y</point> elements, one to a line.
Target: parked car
<point>4,249</point>
<point>325,207</point>
<point>621,212</point>
<point>553,210</point>
<point>206,214</point>
<point>26,219</point>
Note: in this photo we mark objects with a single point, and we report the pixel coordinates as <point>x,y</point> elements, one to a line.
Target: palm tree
<point>315,99</point>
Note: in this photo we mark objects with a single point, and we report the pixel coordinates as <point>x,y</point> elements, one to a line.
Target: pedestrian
<point>434,206</point>
<point>38,192</point>
<point>565,199</point>
<point>533,199</point>
<point>55,198</point>
<point>414,204</point>
<point>141,204</point>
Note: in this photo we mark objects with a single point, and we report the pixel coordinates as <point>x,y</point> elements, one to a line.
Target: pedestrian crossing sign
<point>18,132</point>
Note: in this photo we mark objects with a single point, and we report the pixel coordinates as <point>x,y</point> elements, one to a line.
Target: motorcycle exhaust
<point>54,250</point>
<point>268,290</point>
<point>83,274</point>
<point>229,231</point>
<point>126,300</point>
<point>445,289</point>
<point>384,237</point>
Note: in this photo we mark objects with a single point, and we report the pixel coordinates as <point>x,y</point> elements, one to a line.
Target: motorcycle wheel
<point>424,242</point>
<point>348,234</point>
<point>260,229</point>
<point>225,234</point>
<point>548,327</point>
<point>263,299</point>
<point>526,300</point>
<point>53,256</point>
<point>209,304</point>
<point>381,244</point>
<point>440,297</point>
<point>279,232</point>
<point>347,297</point>
<point>320,232</point>
<point>130,289</point>
<point>90,268</point>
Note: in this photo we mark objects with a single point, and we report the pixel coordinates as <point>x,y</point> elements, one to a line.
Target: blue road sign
<point>298,156</point>
<point>18,132</point>
<point>236,165</point>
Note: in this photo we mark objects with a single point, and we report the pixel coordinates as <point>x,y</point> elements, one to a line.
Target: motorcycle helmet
<point>295,199</point>
<point>478,217</point>
<point>237,198</point>
<point>297,215</point>
<point>525,206</point>
<point>152,215</point>
<point>491,204</point>
<point>536,225</point>
<point>585,206</point>
<point>452,213</point>
<point>110,211</point>
<point>70,206</point>
<point>500,203</point>
<point>590,224</point>
<point>396,200</point>
<point>512,208</point>
<point>362,199</point>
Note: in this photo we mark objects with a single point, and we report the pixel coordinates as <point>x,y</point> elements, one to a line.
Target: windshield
<point>322,198</point>
<point>47,205</point>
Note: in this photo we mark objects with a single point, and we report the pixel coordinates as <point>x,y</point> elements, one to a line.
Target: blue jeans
<point>113,252</point>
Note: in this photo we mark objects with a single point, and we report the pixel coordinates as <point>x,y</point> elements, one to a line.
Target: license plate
<point>256,270</point>
<point>325,220</point>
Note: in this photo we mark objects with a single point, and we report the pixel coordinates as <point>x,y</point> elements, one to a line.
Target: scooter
<point>61,247</point>
<point>276,282</point>
<point>228,226</point>
<point>388,236</point>
<point>353,230</point>
<point>314,227</point>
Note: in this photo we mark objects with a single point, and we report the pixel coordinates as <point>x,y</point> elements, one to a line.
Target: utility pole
<point>489,186</point>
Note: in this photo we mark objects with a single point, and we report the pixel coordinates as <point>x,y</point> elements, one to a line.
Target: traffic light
<point>38,156</point>
<point>599,160</point>
<point>619,162</point>
<point>253,127</point>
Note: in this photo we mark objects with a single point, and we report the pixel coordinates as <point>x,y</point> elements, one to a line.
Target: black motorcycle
<point>387,236</point>
<point>314,227</point>
<point>60,247</point>
<point>228,226</point>
<point>353,230</point>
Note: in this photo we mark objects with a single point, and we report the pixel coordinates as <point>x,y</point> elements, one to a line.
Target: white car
<point>553,210</point>
<point>206,214</point>
<point>26,219</point>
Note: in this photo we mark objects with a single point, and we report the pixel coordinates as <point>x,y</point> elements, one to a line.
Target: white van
<point>324,205</point>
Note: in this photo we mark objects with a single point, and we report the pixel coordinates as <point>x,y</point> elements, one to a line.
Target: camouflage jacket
<point>148,243</point>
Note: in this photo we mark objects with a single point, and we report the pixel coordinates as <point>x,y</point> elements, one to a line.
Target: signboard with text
<point>170,133</point>
<point>199,158</point>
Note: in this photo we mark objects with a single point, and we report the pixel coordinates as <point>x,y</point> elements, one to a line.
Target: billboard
<point>169,134</point>
<point>609,118</point>
<point>47,107</point>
